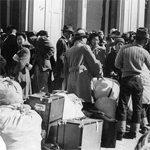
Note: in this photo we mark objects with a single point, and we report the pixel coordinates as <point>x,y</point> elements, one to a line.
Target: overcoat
<point>21,73</point>
<point>80,65</point>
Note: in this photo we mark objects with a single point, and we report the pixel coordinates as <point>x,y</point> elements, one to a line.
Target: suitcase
<point>49,107</point>
<point>52,134</point>
<point>109,130</point>
<point>76,134</point>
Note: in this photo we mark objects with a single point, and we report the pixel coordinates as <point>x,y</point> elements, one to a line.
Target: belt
<point>77,68</point>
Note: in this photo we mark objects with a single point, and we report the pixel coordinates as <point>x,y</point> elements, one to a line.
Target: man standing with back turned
<point>130,59</point>
<point>80,65</point>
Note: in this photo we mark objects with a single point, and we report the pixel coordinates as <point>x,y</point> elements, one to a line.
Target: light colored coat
<point>80,65</point>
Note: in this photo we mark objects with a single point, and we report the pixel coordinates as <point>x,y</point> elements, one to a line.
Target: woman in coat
<point>21,70</point>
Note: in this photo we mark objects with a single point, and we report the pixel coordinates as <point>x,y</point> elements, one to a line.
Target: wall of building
<point>132,14</point>
<point>71,13</point>
<point>47,15</point>
<point>12,12</point>
<point>147,15</point>
<point>94,15</point>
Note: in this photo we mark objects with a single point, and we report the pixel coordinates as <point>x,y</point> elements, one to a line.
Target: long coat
<point>62,45</point>
<point>21,72</point>
<point>9,48</point>
<point>44,64</point>
<point>80,66</point>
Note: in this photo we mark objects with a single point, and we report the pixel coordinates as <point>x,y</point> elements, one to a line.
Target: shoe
<point>130,135</point>
<point>144,130</point>
<point>120,136</point>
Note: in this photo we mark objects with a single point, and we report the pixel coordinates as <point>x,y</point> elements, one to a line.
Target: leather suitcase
<point>79,134</point>
<point>49,107</point>
<point>109,130</point>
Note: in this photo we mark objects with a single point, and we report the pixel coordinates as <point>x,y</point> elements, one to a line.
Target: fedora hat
<point>119,40</point>
<point>42,33</point>
<point>68,28</point>
<point>142,32</point>
<point>80,33</point>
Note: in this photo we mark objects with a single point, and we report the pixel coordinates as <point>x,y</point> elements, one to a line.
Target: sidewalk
<point>125,144</point>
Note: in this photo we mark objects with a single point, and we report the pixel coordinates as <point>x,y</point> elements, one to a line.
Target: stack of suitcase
<point>75,134</point>
<point>50,107</point>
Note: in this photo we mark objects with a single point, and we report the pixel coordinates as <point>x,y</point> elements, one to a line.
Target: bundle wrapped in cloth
<point>72,106</point>
<point>20,127</point>
<point>106,93</point>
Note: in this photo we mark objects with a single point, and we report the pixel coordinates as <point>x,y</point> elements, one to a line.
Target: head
<point>101,34</point>
<point>119,42</point>
<point>68,31</point>
<point>81,35</point>
<point>21,39</point>
<point>11,29</point>
<point>93,39</point>
<point>42,33</point>
<point>142,36</point>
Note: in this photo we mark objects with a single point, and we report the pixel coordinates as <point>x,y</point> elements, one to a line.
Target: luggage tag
<point>40,107</point>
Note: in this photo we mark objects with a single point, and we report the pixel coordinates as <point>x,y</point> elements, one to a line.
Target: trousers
<point>130,86</point>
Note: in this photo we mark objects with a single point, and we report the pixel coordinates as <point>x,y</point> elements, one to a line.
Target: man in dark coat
<point>10,48</point>
<point>62,45</point>
<point>44,62</point>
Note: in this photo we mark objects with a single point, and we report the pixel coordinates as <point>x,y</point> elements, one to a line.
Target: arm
<point>66,70</point>
<point>119,59</point>
<point>61,47</point>
<point>23,59</point>
<point>93,64</point>
<point>147,59</point>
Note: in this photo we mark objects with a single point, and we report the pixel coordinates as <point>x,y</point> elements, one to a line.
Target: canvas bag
<point>106,92</point>
<point>104,87</point>
<point>20,127</point>
<point>2,144</point>
<point>10,91</point>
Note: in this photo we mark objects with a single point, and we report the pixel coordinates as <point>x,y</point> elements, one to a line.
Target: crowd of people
<point>29,58</point>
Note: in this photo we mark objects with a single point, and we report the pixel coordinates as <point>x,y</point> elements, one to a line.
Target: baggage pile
<point>67,121</point>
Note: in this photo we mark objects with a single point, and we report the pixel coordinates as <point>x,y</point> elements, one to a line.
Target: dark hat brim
<point>146,37</point>
<point>68,30</point>
<point>80,35</point>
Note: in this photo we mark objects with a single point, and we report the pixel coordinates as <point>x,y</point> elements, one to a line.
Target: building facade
<point>51,15</point>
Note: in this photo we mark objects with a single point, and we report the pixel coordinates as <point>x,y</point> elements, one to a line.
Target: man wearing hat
<point>80,65</point>
<point>44,62</point>
<point>10,48</point>
<point>111,70</point>
<point>130,59</point>
<point>62,44</point>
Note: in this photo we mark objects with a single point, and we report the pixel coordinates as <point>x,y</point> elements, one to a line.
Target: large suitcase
<point>76,134</point>
<point>49,107</point>
<point>109,130</point>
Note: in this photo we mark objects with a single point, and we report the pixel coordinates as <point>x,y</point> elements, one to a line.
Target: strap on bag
<point>111,89</point>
